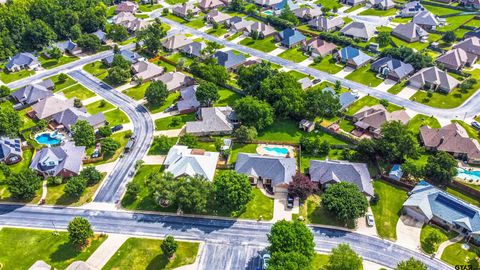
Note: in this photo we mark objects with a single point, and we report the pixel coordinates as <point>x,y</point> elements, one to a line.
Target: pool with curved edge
<point>468,175</point>
<point>276,151</point>
<point>47,138</point>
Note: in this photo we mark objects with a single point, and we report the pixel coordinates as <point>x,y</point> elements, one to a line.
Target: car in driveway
<point>265,259</point>
<point>476,125</point>
<point>290,200</point>
<point>370,219</point>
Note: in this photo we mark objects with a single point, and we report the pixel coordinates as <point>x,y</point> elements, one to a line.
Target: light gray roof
<point>176,42</point>
<point>214,119</point>
<point>411,8</point>
<point>305,12</point>
<point>188,98</point>
<point>194,48</point>
<point>40,265</point>
<point>279,169</point>
<point>51,105</point>
<point>409,31</point>
<point>359,30</point>
<point>66,45</point>
<point>184,8</point>
<point>70,116</point>
<point>262,28</point>
<point>325,171</point>
<point>10,147</point>
<point>22,59</point>
<point>67,156</point>
<point>101,35</point>
<point>32,93</point>
<point>436,76</point>
<point>174,80</point>
<point>128,55</point>
<point>392,66</point>
<point>324,23</point>
<point>456,58</point>
<point>147,70</point>
<point>470,45</point>
<point>425,18</point>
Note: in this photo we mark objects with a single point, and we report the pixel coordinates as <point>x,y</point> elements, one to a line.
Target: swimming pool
<point>276,151</point>
<point>49,138</point>
<point>268,12</point>
<point>468,175</point>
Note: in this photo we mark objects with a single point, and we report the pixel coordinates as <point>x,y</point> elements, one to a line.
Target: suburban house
<point>146,71</point>
<point>218,17</point>
<point>429,204</point>
<point>264,30</point>
<point>473,33</point>
<point>330,172</point>
<point>275,173</point>
<point>470,45</point>
<point>126,6</point>
<point>305,83</point>
<point>101,35</point>
<point>182,161</point>
<point>410,32</point>
<point>129,21</point>
<point>176,42</point>
<point>434,79</point>
<point>353,57</point>
<point>392,68</point>
<point>427,20</point>
<point>452,138</point>
<point>68,46</point>
<point>411,9</point>
<point>185,10</point>
<point>46,108</point>
<point>71,116</point>
<point>352,2</point>
<point>193,49</point>
<point>32,93</point>
<point>238,24</point>
<point>22,61</point>
<point>10,150</point>
<point>382,4</point>
<point>346,98</point>
<point>359,30</point>
<point>64,160</point>
<point>456,59</point>
<point>210,4</point>
<point>268,3</point>
<point>323,23</point>
<point>229,59</point>
<point>130,56</point>
<point>188,100</point>
<point>470,3</point>
<point>213,121</point>
<point>318,47</point>
<point>370,119</point>
<point>290,37</point>
<point>306,13</point>
<point>123,18</point>
<point>175,80</point>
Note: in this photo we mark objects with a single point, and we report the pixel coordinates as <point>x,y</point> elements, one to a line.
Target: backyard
<point>420,120</point>
<point>461,254</point>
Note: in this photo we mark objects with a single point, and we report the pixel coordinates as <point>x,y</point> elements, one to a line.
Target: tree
<point>133,188</point>
<point>441,168</point>
<point>156,93</point>
<point>75,186</point>
<point>287,236</point>
<point>162,186</point>
<point>193,193</point>
<point>237,5</point>
<point>431,242</point>
<point>161,144</point>
<point>38,35</point>
<point>62,78</point>
<point>77,103</point>
<point>207,93</point>
<point>245,134</point>
<point>109,146</point>
<point>232,191</point>
<point>10,121</point>
<point>411,264</point>
<point>288,15</point>
<point>253,112</point>
<point>79,230</point>
<point>301,186</point>
<point>188,140</point>
<point>105,131</point>
<point>211,72</point>
<point>24,185</point>
<point>118,75</point>
<point>251,77</point>
<point>411,168</point>
<point>449,37</point>
<point>384,39</point>
<point>117,33</point>
<point>89,43</point>
<point>345,200</point>
<point>344,258</point>
<point>397,142</point>
<point>120,61</point>
<point>288,261</point>
<point>4,91</point>
<point>320,103</point>
<point>152,36</point>
<point>314,145</point>
<point>211,48</point>
<point>169,246</point>
<point>284,93</point>
<point>55,53</point>
<point>83,133</point>
<point>251,9</point>
<point>91,174</point>
<point>93,18</point>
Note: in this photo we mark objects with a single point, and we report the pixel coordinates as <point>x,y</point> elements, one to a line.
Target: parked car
<point>117,128</point>
<point>171,108</point>
<point>370,220</point>
<point>476,125</point>
<point>265,259</point>
<point>290,200</point>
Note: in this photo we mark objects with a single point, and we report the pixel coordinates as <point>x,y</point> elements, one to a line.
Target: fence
<point>400,184</point>
<point>465,189</point>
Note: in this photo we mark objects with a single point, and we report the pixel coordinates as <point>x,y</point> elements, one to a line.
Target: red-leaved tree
<point>302,186</point>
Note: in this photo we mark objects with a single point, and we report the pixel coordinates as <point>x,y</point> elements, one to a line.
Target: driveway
<point>307,62</point>
<point>154,159</point>
<point>385,85</point>
<point>408,232</point>
<point>277,51</point>
<point>407,92</point>
<point>363,228</point>
<point>280,209</point>
<point>344,72</point>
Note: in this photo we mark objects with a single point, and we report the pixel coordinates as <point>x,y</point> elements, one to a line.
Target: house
<point>410,32</point>
<point>237,24</point>
<point>146,71</point>
<point>328,24</point>
<point>305,83</point>
<point>10,150</point>
<point>396,172</point>
<point>434,79</point>
<point>353,57</point>
<point>290,37</point>
<point>217,17</point>
<point>410,9</point>
<point>318,47</point>
<point>188,100</point>
<point>470,3</point>
<point>470,45</point>
<point>307,13</point>
<point>194,49</point>
<point>274,172</point>
<point>231,60</point>
<point>137,24</point>
<point>370,119</point>
<point>330,172</point>
<point>175,80</point>
<point>268,3</point>
<point>102,36</point>
<point>346,98</point>
<point>48,107</point>
<point>185,10</point>
<point>32,93</point>
<point>71,116</point>
<point>352,2</point>
<point>129,21</point>
<point>182,161</point>
<point>359,30</point>
<point>210,4</point>
<point>427,20</point>
<point>64,160</point>
<point>306,125</point>
<point>452,138</point>
<point>123,18</point>
<point>130,56</point>
<point>392,68</point>
<point>213,121</point>
<point>429,204</point>
<point>22,61</point>
<point>68,46</point>
<point>176,42</point>
<point>456,59</point>
<point>474,33</point>
<point>382,4</point>
<point>40,265</point>
<point>264,30</point>
<point>126,6</point>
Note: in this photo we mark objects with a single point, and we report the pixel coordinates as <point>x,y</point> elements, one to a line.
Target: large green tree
<point>91,174</point>
<point>441,168</point>
<point>75,186</point>
<point>10,121</point>
<point>397,142</point>
<point>156,93</point>
<point>109,146</point>
<point>118,33</point>
<point>345,201</point>
<point>344,258</point>
<point>210,71</point>
<point>253,112</point>
<point>118,75</point>
<point>288,15</point>
<point>169,246</point>
<point>38,35</point>
<point>320,103</point>
<point>207,93</point>
<point>83,133</point>
<point>284,93</point>
<point>193,193</point>
<point>24,185</point>
<point>251,77</point>
<point>287,236</point>
<point>79,230</point>
<point>232,191</point>
<point>152,36</point>
<point>411,264</point>
<point>89,42</point>
<point>289,261</point>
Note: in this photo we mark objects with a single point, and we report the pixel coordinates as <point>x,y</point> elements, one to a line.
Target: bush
<point>79,230</point>
<point>75,186</point>
<point>54,180</point>
<point>105,131</point>
<point>91,174</point>
<point>132,190</point>
<point>109,146</point>
<point>62,78</point>
<point>169,246</point>
<point>188,140</point>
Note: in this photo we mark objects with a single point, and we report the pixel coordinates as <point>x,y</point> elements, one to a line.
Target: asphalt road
<point>229,244</point>
<point>112,188</point>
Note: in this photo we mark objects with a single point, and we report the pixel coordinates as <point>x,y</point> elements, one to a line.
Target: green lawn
<point>155,149</point>
<point>15,76</point>
<point>473,23</point>
<point>414,45</point>
<point>260,205</point>
<point>401,20</point>
<point>220,31</point>
<point>365,76</point>
<point>176,57</point>
<point>378,12</point>
<point>241,148</point>
<point>197,24</point>
<point>440,100</point>
<point>227,97</point>
<point>294,54</point>
<point>97,69</point>
<point>16,168</point>
<point>351,9</point>
<point>387,210</point>
<point>455,22</point>
<point>333,154</point>
<point>137,92</point>
<point>472,132</point>
<point>99,106</point>
<point>427,230</point>
<point>319,261</point>
<point>172,98</point>
<point>52,63</point>
<point>264,45</point>
<point>455,255</point>
<point>297,75</point>
<point>116,117</point>
<point>329,3</point>
<point>439,11</point>
<point>368,101</point>
<point>122,138</point>
<point>175,18</point>
<point>397,88</point>
<point>328,64</point>
<point>420,120</point>
<point>174,122</point>
<point>59,86</point>
<point>175,2</point>
<point>23,247</point>
<point>57,196</point>
<point>78,91</point>
<point>313,212</point>
<point>234,36</point>
<point>168,67</point>
<point>141,253</point>
<point>148,8</point>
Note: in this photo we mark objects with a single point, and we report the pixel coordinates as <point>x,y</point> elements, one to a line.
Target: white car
<point>370,220</point>
<point>265,259</point>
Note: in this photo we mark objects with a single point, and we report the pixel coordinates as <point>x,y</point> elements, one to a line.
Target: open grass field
<point>365,76</point>
<point>53,63</point>
<point>8,77</point>
<point>264,45</point>
<point>368,101</point>
<point>294,54</point>
<point>328,64</point>
<point>174,122</point>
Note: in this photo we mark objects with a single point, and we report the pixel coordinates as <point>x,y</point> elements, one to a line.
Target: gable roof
<point>359,30</point>
<point>32,93</point>
<point>174,80</point>
<point>262,28</point>
<point>195,48</point>
<point>206,4</point>
<point>123,17</point>
<point>434,75</point>
<point>354,55</point>
<point>176,41</point>
<point>51,105</point>
<point>394,66</point>
<point>68,155</point>
<point>101,35</point>
<point>128,55</point>
<point>71,116</point>
<point>188,98</point>
<point>326,23</point>
<point>470,45</point>
<point>22,59</point>
<point>375,116</point>
<point>126,6</point>
<point>279,169</point>
<point>410,31</point>
<point>229,59</point>
<point>218,16</point>
<point>291,36</point>
<point>320,46</point>
<point>305,12</point>
<point>411,8</point>
<point>184,8</point>
<point>146,70</point>
<point>425,18</point>
<point>456,58</point>
<point>214,119</point>
<point>183,161</point>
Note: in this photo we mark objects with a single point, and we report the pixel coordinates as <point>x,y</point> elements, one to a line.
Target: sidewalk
<point>447,243</point>
<point>108,248</point>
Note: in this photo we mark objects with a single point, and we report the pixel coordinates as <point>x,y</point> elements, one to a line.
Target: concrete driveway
<point>407,92</point>
<point>344,72</point>
<point>277,51</point>
<point>408,232</point>
<point>385,85</point>
<point>363,228</point>
<point>280,209</point>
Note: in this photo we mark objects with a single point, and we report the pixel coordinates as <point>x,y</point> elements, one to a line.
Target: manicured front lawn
<point>427,230</point>
<point>57,196</point>
<point>78,91</point>
<point>294,54</point>
<point>420,120</point>
<point>155,148</point>
<point>473,23</point>
<point>172,98</point>
<point>116,117</point>
<point>329,3</point>
<point>196,24</point>
<point>259,206</point>
<point>148,8</point>
<point>368,101</point>
<point>141,253</point>
<point>328,64</point>
<point>365,76</point>
<point>99,106</point>
<point>397,88</point>
<point>59,86</point>
<point>52,63</point>
<point>227,97</point>
<point>378,12</point>
<point>241,148</point>
<point>264,45</point>
<point>220,31</point>
<point>387,210</point>
<point>174,122</point>
<point>97,69</point>
<point>440,100</point>
<point>455,254</point>
<point>313,212</point>
<point>439,11</point>
<point>15,76</point>
<point>297,75</point>
<point>352,9</point>
<point>23,247</point>
<point>137,92</point>
<point>175,2</point>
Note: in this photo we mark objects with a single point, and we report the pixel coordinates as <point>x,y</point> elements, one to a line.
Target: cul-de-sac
<point>239,134</point>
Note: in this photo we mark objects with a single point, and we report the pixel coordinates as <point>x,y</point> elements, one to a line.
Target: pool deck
<point>465,177</point>
<point>261,150</point>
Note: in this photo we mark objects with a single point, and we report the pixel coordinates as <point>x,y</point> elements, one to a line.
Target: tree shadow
<point>159,262</point>
<point>67,200</point>
<point>64,252</point>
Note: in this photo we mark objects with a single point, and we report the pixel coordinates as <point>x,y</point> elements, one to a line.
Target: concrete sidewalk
<point>104,252</point>
<point>447,243</point>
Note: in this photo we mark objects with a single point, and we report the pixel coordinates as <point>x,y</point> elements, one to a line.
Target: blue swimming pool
<point>49,138</point>
<point>468,175</point>
<point>268,12</point>
<point>276,151</point>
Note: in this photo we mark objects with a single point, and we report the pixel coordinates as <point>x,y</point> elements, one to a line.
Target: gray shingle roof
<point>22,59</point>
<point>194,48</point>
<point>470,45</point>
<point>392,66</point>
<point>67,156</point>
<point>51,105</point>
<point>214,119</point>
<point>128,55</point>
<point>32,93</point>
<point>229,59</point>
<point>425,18</point>
<point>279,169</point>
<point>359,30</point>
<point>409,31</point>
<point>189,98</point>
<point>436,76</point>
<point>324,23</point>
<point>70,117</point>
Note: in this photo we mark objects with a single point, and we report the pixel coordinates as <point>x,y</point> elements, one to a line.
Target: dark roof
<point>396,66</point>
<point>229,59</point>
<point>291,36</point>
